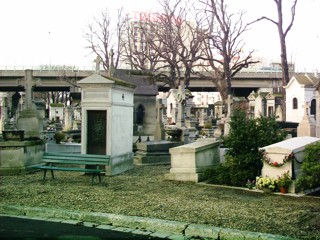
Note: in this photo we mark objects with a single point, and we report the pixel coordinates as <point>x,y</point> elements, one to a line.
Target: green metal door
<point>96,135</point>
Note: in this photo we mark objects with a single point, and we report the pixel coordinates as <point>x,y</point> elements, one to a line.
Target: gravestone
<point>307,126</point>
<point>107,120</point>
<point>3,110</point>
<point>29,119</point>
<point>228,118</point>
<point>181,97</point>
<point>159,133</point>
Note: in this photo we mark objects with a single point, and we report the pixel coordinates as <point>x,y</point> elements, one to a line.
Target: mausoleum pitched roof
<point>100,79</point>
<point>303,79</point>
<point>144,85</point>
<point>95,78</point>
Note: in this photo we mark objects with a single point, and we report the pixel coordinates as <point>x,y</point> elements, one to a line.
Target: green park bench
<point>87,163</point>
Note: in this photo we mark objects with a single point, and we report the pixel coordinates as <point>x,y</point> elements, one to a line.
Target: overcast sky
<point>43,32</point>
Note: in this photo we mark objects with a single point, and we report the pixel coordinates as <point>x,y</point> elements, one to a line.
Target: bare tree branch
<point>100,36</point>
<point>224,46</point>
<point>282,37</point>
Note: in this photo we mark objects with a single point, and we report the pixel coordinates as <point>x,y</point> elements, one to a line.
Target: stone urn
<point>13,135</point>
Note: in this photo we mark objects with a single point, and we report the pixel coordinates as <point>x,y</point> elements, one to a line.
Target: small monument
<point>29,119</point>
<point>17,155</point>
<point>159,128</point>
<point>227,119</point>
<point>107,120</point>
<point>307,127</point>
<point>181,118</point>
<point>157,151</point>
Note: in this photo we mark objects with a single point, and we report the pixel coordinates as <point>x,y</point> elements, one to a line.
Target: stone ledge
<point>163,227</point>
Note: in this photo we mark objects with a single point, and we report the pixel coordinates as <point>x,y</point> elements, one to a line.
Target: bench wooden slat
<point>73,161</point>
<point>68,169</point>
<point>76,155</point>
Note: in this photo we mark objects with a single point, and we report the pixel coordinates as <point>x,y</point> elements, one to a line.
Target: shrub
<point>246,136</point>
<point>310,174</point>
<point>59,136</point>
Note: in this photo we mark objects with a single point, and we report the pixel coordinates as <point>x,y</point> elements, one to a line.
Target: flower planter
<point>267,190</point>
<point>283,190</point>
<point>13,135</point>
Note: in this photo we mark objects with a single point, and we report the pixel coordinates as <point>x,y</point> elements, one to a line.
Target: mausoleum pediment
<point>270,96</point>
<point>96,78</point>
<point>252,96</point>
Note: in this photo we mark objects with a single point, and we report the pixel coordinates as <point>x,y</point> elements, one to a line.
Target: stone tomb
<point>107,120</point>
<point>278,152</point>
<point>190,161</point>
<point>154,152</point>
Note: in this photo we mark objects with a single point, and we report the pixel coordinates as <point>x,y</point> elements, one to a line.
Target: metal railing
<point>49,68</point>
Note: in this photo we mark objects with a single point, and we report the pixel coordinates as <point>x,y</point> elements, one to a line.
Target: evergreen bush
<point>310,175</point>
<point>243,159</point>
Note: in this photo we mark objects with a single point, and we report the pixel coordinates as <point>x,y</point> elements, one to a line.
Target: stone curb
<point>139,223</point>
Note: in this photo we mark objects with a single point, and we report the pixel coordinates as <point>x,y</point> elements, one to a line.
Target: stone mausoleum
<point>107,120</point>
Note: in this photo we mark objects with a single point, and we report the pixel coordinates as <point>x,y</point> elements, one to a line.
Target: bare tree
<point>138,53</point>
<point>104,38</point>
<point>282,37</point>
<point>191,39</point>
<point>167,43</point>
<point>224,47</point>
<point>164,41</point>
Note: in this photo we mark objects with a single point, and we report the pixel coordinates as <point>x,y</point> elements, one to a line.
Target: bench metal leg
<point>45,173</point>
<point>92,179</point>
<point>99,175</point>
<point>94,175</point>
<point>52,175</point>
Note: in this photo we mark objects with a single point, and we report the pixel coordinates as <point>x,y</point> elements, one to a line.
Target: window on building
<point>251,114</point>
<point>294,103</point>
<point>140,114</point>
<point>264,107</point>
<point>270,111</point>
<point>313,109</point>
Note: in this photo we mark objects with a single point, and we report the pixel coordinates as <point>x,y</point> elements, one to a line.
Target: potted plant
<point>284,181</point>
<point>266,184</point>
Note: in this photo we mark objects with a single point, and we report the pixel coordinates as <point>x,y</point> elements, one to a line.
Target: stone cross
<point>159,107</point>
<point>159,133</point>
<point>98,61</point>
<point>306,110</point>
<point>28,88</point>
<point>181,101</point>
<point>229,102</point>
<point>111,67</point>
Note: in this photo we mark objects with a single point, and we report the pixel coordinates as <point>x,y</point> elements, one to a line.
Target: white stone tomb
<point>276,153</point>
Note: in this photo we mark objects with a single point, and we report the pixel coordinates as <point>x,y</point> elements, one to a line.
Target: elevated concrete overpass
<point>50,80</point>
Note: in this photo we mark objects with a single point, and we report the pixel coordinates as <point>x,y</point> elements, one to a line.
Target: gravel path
<point>144,192</point>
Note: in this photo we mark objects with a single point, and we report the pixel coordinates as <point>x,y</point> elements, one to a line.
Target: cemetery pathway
<point>143,197</point>
<point>26,228</point>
